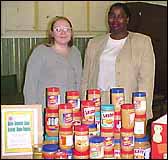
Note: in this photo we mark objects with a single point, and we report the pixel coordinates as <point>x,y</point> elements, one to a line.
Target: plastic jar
<point>109,154</point>
<point>92,130</point>
<point>53,97</point>
<point>141,144</point>
<point>37,151</point>
<point>65,115</point>
<point>107,116</point>
<point>88,111</point>
<point>140,126</point>
<point>127,116</point>
<point>50,140</point>
<point>139,101</point>
<point>117,149</point>
<point>117,98</point>
<point>81,138</point>
<point>94,95</point>
<point>49,151</point>
<point>107,134</point>
<point>127,154</point>
<point>73,97</point>
<point>80,155</point>
<point>97,122</point>
<point>51,122</point>
<point>96,147</point>
<point>65,138</point>
<point>117,124</point>
<point>127,139</point>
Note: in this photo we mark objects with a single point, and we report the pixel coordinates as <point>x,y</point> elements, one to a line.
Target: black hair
<point>123,6</point>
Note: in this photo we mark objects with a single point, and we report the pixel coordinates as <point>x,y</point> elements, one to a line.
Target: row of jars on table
<point>108,118</point>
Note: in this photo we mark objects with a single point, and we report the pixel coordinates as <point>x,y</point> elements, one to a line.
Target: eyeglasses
<point>59,29</point>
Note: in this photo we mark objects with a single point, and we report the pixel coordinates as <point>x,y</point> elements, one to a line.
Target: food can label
<point>127,141</point>
<point>96,152</point>
<point>117,153</point>
<point>52,123</point>
<point>89,114</point>
<point>67,118</point>
<point>139,153</point>
<point>75,103</point>
<point>53,100</point>
<point>66,140</point>
<point>82,141</point>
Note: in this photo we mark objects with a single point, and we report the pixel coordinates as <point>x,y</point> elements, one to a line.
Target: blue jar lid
<point>92,125</point>
<point>50,147</point>
<point>144,139</point>
<point>139,94</point>
<point>97,114</point>
<point>107,107</point>
<point>117,141</point>
<point>51,138</point>
<point>96,139</point>
<point>117,90</point>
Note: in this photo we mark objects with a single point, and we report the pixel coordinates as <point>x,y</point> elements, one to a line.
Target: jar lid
<point>92,125</point>
<point>50,138</point>
<point>127,152</point>
<point>139,94</point>
<point>65,129</point>
<point>77,114</point>
<point>140,116</point>
<point>87,103</point>
<point>96,139</point>
<point>117,113</point>
<point>97,113</point>
<point>50,147</point>
<point>81,128</point>
<point>127,106</point>
<point>93,91</point>
<point>117,90</point>
<point>107,107</point>
<point>126,130</point>
<point>106,129</point>
<point>117,141</point>
<point>144,139</point>
<point>65,106</point>
<point>75,152</point>
<point>53,89</point>
<point>51,110</point>
<point>73,93</point>
<point>109,152</point>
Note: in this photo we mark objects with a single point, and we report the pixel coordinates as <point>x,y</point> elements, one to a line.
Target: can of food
<point>53,97</point>
<point>117,98</point>
<point>94,95</point>
<point>88,111</point>
<point>73,97</point>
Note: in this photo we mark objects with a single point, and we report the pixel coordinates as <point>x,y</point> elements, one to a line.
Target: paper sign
<point>21,128</point>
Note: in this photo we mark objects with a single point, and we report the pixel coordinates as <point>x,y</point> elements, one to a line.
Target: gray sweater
<point>46,68</point>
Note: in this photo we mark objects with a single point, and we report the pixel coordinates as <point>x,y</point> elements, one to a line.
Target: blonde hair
<point>51,25</point>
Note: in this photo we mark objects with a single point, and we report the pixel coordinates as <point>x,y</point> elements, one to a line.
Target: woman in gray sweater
<point>56,64</point>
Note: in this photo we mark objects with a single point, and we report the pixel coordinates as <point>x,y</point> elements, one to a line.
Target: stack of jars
<point>50,146</point>
<point>142,146</point>
<point>117,99</point>
<point>95,96</point>
<point>107,129</point>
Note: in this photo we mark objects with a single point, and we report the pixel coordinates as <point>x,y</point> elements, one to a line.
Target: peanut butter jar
<point>127,116</point>
<point>140,126</point>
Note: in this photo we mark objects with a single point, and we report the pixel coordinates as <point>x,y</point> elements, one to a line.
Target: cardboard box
<point>159,138</point>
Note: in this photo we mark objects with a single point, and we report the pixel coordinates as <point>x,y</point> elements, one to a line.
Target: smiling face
<point>62,32</point>
<point>117,20</point>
